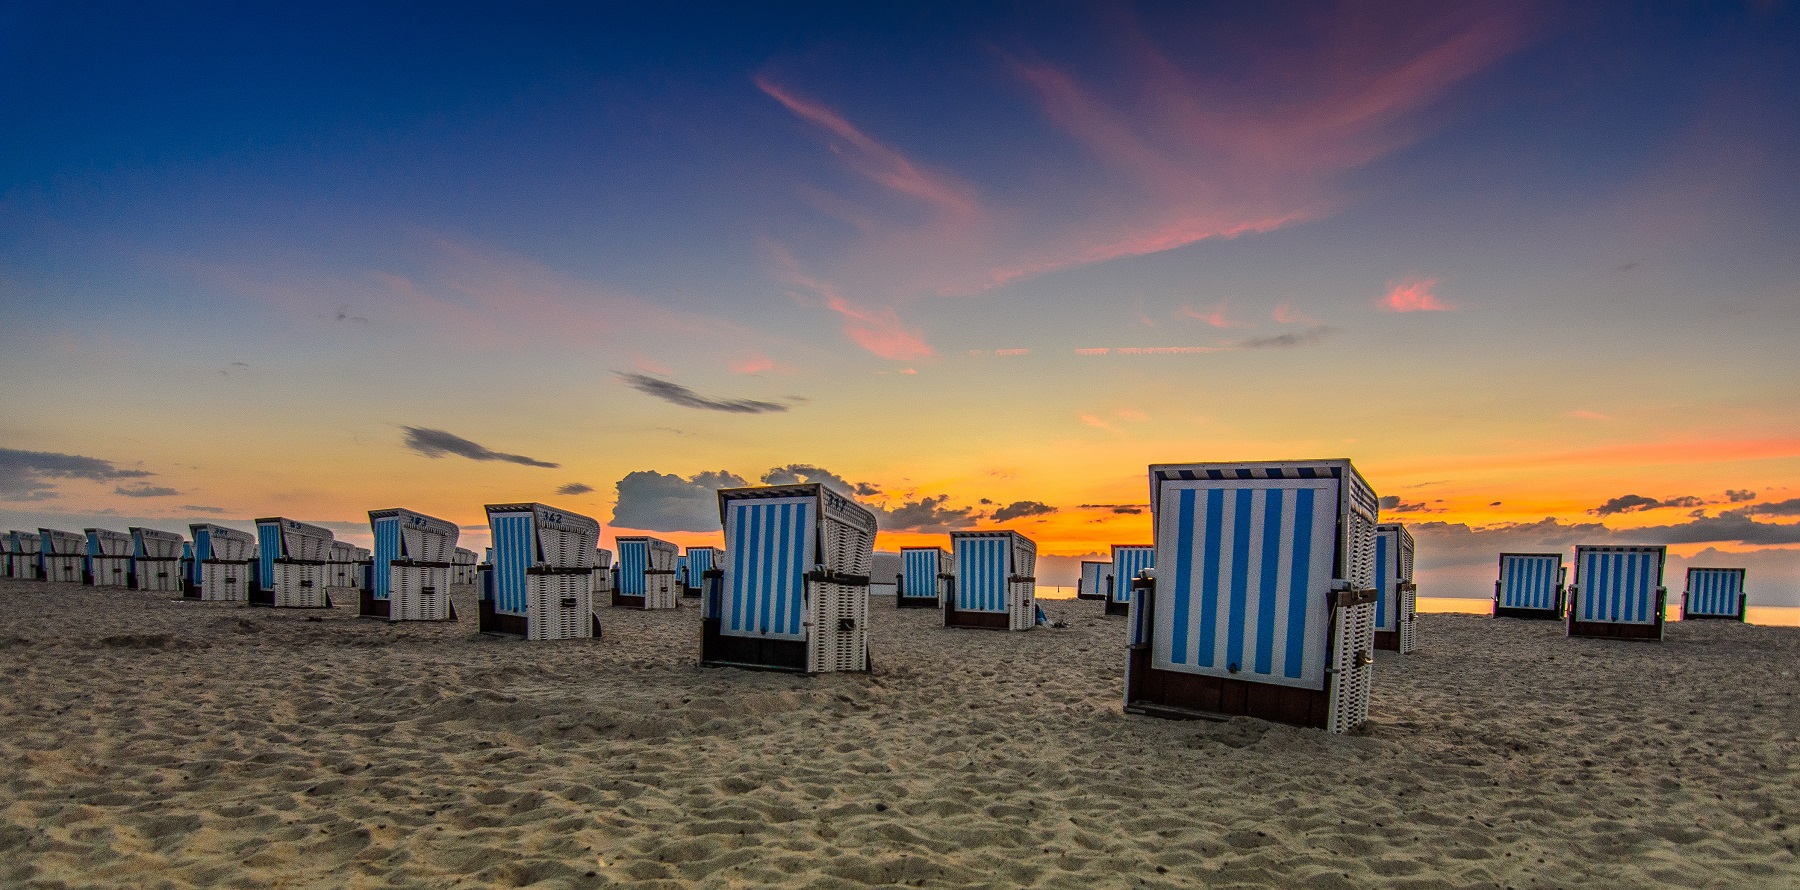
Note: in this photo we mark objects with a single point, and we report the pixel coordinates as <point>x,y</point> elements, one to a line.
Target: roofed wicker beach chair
<point>156,559</point>
<point>411,567</point>
<point>700,560</point>
<point>793,592</point>
<point>649,577</point>
<point>61,555</point>
<point>1262,602</point>
<point>108,558</point>
<point>1128,562</point>
<point>220,570</point>
<point>1530,586</point>
<point>995,587</point>
<point>925,578</point>
<point>1618,592</point>
<point>292,564</point>
<point>540,583</point>
<point>1396,599</point>
<point>1095,580</point>
<point>1714,593</point>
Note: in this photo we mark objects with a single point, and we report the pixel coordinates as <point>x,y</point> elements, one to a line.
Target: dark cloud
<point>865,490</point>
<point>1632,503</point>
<point>574,488</point>
<point>1738,496</point>
<point>1789,507</point>
<point>676,394</point>
<point>26,475</point>
<point>200,508</point>
<point>343,314</point>
<point>794,474</point>
<point>664,502</point>
<point>1120,509</point>
<point>145,491</point>
<point>1399,506</point>
<point>437,443</point>
<point>1022,509</point>
<point>1314,334</point>
<point>1389,502</point>
<point>927,514</point>
<point>1729,527</point>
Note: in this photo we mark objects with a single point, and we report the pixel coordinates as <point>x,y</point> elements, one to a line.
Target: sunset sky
<point>1534,268</point>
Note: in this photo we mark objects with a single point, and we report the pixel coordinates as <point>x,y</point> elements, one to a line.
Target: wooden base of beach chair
<point>723,650</point>
<point>1117,608</point>
<point>627,601</point>
<point>1090,596</point>
<point>1529,614</point>
<point>1174,694</point>
<point>488,621</point>
<point>1607,630</point>
<point>367,606</point>
<point>1690,616</point>
<point>915,602</point>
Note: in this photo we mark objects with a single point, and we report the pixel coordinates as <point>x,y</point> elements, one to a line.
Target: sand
<point>150,743</point>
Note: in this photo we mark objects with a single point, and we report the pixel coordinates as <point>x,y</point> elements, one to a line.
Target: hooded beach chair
<point>540,582</point>
<point>462,566</point>
<point>1095,581</point>
<point>341,566</point>
<point>27,558</point>
<point>156,559</point>
<point>603,575</point>
<point>793,594</point>
<point>410,569</point>
<point>925,578</point>
<point>63,555</point>
<point>1262,602</point>
<point>108,558</point>
<point>1530,586</point>
<point>1714,593</point>
<point>994,587</point>
<point>700,560</point>
<point>6,556</point>
<point>293,564</point>
<point>1618,592</point>
<point>1128,562</point>
<point>220,570</point>
<point>647,574</point>
<point>1396,599</point>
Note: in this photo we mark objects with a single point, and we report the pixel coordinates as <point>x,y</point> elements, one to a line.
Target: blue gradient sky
<point>244,250</point>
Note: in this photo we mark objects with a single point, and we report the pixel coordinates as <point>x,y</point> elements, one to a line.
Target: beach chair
<point>409,573</point>
<point>994,586</point>
<point>341,568</point>
<point>1128,562</point>
<point>603,575</point>
<point>462,566</point>
<point>1095,581</point>
<point>1618,592</point>
<point>220,570</point>
<point>1262,602</point>
<point>156,559</point>
<point>925,578</point>
<point>293,564</point>
<point>6,556</point>
<point>540,580</point>
<point>793,594</point>
<point>1714,593</point>
<point>647,574</point>
<point>27,562</point>
<point>1530,586</point>
<point>1396,599</point>
<point>108,558</point>
<point>62,555</point>
<point>700,560</point>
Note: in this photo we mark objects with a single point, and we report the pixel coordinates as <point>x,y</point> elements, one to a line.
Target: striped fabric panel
<point>982,565</point>
<point>387,549</point>
<point>771,542</point>
<point>1245,580</point>
<point>1529,582</point>
<point>1093,577</point>
<point>920,568</point>
<point>1714,591</point>
<point>268,539</point>
<point>1617,587</point>
<point>634,558</point>
<point>202,550</point>
<point>515,549</point>
<point>1127,562</point>
<point>699,562</point>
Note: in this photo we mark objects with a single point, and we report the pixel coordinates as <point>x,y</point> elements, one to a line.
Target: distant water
<point>1767,616</point>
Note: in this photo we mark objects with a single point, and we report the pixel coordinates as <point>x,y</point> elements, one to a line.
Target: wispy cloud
<point>27,475</point>
<point>202,508</point>
<point>676,394</point>
<point>145,491</point>
<point>1413,294</point>
<point>1292,340</point>
<point>878,330</point>
<point>438,443</point>
<point>1022,510</point>
<point>1216,316</point>
<point>574,488</point>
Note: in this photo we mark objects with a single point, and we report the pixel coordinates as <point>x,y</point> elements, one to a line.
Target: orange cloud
<point>877,330</point>
<point>1215,316</point>
<point>1413,295</point>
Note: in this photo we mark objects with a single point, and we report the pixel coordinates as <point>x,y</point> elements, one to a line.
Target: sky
<point>1532,267</point>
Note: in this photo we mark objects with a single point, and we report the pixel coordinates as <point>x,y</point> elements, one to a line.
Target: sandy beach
<point>150,743</point>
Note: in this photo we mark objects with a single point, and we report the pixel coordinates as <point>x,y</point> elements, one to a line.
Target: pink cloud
<point>1413,294</point>
<point>1215,316</point>
<point>876,329</point>
<point>1094,422</point>
<point>756,364</point>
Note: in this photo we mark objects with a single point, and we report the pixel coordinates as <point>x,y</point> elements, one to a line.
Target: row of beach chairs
<point>1265,593</point>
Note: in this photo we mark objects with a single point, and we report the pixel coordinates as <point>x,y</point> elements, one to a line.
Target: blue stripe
<point>1381,582</point>
<point>387,549</point>
<point>765,521</point>
<point>1184,567</point>
<point>1209,584</point>
<point>797,576</point>
<point>1300,596</point>
<point>740,546</point>
<point>1240,577</point>
<point>268,536</point>
<point>1271,564</point>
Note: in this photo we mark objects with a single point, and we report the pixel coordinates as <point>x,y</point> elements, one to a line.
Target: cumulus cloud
<point>574,488</point>
<point>145,491</point>
<point>1789,507</point>
<point>794,474</point>
<point>1022,509</point>
<point>437,443</point>
<point>927,514</point>
<point>676,394</point>
<point>1738,496</point>
<point>665,502</point>
<point>27,475</point>
<point>1633,503</point>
